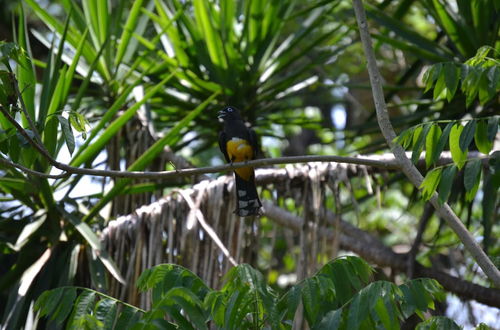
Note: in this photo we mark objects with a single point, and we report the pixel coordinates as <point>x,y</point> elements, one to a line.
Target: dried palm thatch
<point>133,140</point>
<point>196,227</point>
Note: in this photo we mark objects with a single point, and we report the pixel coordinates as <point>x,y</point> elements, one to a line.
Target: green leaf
<point>65,305</point>
<point>454,29</point>
<point>451,75</point>
<point>492,127</point>
<point>472,177</point>
<point>331,320</point>
<point>190,304</point>
<point>48,301</point>
<point>384,314</point>
<point>470,84</point>
<point>92,239</point>
<point>459,157</point>
<point>472,173</point>
<point>467,135</point>
<point>437,322</point>
<point>406,137</point>
<point>430,183</point>
<point>128,28</point>
<point>27,231</point>
<point>431,144</point>
<point>418,145</point>
<point>97,145</point>
<point>489,202</point>
<point>481,138</point>
<point>421,44</point>
<point>67,133</point>
<point>446,183</point>
<point>212,40</point>
<point>439,87</point>
<point>78,121</point>
<point>83,305</point>
<point>25,70</point>
<point>443,140</point>
<point>485,91</point>
<point>493,76</point>
<point>431,75</point>
<point>127,318</point>
<point>310,299</point>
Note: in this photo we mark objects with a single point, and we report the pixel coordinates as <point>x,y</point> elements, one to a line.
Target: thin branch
<point>208,229</point>
<point>24,109</point>
<point>8,163</point>
<point>407,167</point>
<point>380,161</point>
<point>22,131</point>
<point>412,254</point>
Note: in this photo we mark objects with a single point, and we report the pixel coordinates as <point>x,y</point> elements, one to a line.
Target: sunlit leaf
<point>443,140</point>
<point>459,157</point>
<point>437,322</point>
<point>431,145</point>
<point>481,138</point>
<point>418,145</point>
<point>430,183</point>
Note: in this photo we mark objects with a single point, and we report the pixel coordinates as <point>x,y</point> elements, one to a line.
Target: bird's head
<point>229,113</point>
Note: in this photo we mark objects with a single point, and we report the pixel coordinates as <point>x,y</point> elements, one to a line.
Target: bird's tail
<point>247,198</point>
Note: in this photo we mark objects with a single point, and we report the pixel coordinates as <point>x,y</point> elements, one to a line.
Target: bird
<point>239,143</point>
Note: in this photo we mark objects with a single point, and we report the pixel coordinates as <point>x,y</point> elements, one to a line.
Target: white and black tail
<point>248,202</point>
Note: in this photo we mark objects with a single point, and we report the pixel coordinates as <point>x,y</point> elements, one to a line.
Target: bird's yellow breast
<point>240,150</point>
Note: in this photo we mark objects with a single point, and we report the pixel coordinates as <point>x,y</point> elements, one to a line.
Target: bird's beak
<point>221,115</point>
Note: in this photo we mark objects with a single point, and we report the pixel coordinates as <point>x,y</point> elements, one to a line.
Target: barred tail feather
<point>248,202</point>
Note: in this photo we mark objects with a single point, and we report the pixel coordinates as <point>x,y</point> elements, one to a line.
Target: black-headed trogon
<point>239,143</point>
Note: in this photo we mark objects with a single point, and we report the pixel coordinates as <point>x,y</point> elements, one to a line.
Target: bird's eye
<point>229,109</point>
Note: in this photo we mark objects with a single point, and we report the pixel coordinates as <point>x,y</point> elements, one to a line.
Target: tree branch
<point>406,165</point>
<point>388,162</point>
<point>8,163</point>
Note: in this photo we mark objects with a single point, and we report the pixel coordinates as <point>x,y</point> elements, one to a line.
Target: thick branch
<point>372,249</point>
<point>407,167</point>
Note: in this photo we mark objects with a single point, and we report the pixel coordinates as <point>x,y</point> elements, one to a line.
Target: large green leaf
<point>446,182</point>
<point>430,183</point>
<point>431,145</point>
<point>458,155</point>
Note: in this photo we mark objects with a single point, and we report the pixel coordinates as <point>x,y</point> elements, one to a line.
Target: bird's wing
<point>254,142</point>
<point>223,145</point>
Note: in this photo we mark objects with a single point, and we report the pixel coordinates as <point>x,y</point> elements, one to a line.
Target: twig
<point>8,163</point>
<point>407,167</point>
<point>208,229</point>
<point>22,131</point>
<point>24,109</point>
<point>426,216</point>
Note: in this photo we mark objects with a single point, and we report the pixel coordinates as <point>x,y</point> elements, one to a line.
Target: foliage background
<point>140,84</point>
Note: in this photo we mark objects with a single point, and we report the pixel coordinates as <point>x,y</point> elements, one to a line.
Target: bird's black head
<point>229,113</point>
